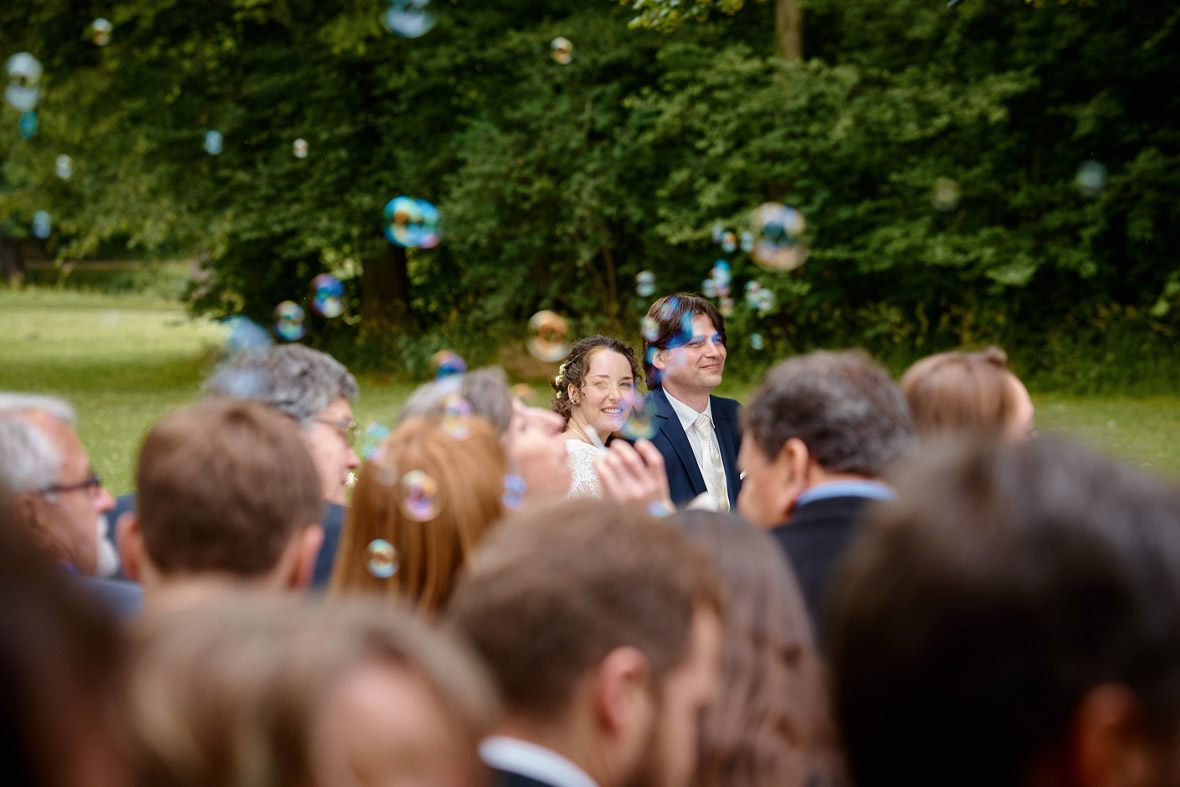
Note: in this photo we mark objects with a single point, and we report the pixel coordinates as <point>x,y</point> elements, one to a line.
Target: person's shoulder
<point>120,596</point>
<point>580,448</point>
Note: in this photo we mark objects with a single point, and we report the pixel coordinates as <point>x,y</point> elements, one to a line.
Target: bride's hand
<point>635,474</point>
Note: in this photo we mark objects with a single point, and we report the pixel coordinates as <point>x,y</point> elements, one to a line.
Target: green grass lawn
<point>125,360</point>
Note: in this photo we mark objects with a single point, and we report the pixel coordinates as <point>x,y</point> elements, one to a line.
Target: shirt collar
<point>532,760</point>
<point>871,490</point>
<point>686,414</point>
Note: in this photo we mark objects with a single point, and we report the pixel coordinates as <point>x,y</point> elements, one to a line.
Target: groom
<point>698,434</point>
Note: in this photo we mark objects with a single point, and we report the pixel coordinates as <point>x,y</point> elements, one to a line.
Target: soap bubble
<point>945,194</point>
<point>213,141</point>
<point>645,283</point>
<point>289,322</point>
<point>756,341</point>
<point>381,559</point>
<point>778,233</point>
<point>373,440</point>
<point>641,423</point>
<point>717,232</point>
<point>245,334</point>
<point>1091,178</point>
<point>525,393</point>
<point>747,241</point>
<point>42,225</point>
<point>765,300</point>
<point>299,148</point>
<point>412,223</point>
<point>447,364</point>
<point>327,292</point>
<point>650,328</point>
<point>22,99</point>
<point>721,276</point>
<point>729,243</point>
<point>514,491</point>
<point>668,308</point>
<point>24,76</point>
<point>547,336</point>
<point>100,31</point>
<point>709,288</point>
<point>28,124</point>
<point>725,306</point>
<point>409,18</point>
<point>63,167</point>
<point>562,50</point>
<point>752,288</point>
<point>456,416</point>
<point>419,498</point>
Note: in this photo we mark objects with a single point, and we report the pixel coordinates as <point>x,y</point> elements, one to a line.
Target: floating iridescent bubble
<point>547,336</point>
<point>28,124</point>
<point>717,232</point>
<point>24,77</point>
<point>765,300</point>
<point>645,283</point>
<point>525,393</point>
<point>756,341</point>
<point>419,497</point>
<point>408,18</point>
<point>299,148</point>
<point>289,321</point>
<point>1091,178</point>
<point>562,50</point>
<point>709,288</point>
<point>725,306</point>
<point>327,295</point>
<point>100,31</point>
<point>213,142</point>
<point>721,276</point>
<point>42,225</point>
<point>514,491</point>
<point>456,417</point>
<point>668,308</point>
<point>412,223</point>
<point>683,336</point>
<point>381,558</point>
<point>245,334</point>
<point>372,440</point>
<point>752,288</point>
<point>641,423</point>
<point>779,240</point>
<point>729,243</point>
<point>650,328</point>
<point>945,194</point>
<point>747,241</point>
<point>63,167</point>
<point>447,364</point>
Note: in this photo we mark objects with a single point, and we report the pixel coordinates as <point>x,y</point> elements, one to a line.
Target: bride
<point>595,389</point>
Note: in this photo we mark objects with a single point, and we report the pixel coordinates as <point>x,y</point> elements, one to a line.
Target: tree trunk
<point>385,293</point>
<point>788,29</point>
<point>12,262</point>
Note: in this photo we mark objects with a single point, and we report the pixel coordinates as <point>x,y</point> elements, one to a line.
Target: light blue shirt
<point>872,490</point>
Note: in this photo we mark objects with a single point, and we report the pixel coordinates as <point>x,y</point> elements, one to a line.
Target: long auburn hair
<point>772,725</point>
<point>469,473</point>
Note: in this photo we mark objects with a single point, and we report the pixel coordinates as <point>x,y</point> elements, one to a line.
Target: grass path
<point>124,361</point>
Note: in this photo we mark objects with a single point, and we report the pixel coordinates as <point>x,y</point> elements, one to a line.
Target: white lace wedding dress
<point>580,457</point>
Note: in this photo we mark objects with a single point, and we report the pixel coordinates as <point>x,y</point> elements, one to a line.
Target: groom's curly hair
<point>573,369</point>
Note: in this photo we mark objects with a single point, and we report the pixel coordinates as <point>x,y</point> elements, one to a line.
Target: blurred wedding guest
<point>229,497</point>
<point>958,391</point>
<point>601,627</point>
<point>275,693</point>
<point>1013,618</point>
<point>819,433</point>
<point>595,388</point>
<point>486,390</point>
<point>422,505</point>
<point>61,672</point>
<point>698,434</point>
<point>55,497</point>
<point>771,724</point>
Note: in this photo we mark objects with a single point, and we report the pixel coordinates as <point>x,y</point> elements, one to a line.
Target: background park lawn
<point>125,360</point>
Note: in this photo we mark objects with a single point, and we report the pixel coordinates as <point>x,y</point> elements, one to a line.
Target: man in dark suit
<point>698,434</point>
<point>819,432</point>
<point>601,626</point>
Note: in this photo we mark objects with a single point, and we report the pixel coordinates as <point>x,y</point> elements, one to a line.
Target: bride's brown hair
<point>573,369</point>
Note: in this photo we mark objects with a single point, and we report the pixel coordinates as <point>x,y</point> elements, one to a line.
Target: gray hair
<point>845,408</point>
<point>28,458</point>
<point>486,389</point>
<point>295,380</point>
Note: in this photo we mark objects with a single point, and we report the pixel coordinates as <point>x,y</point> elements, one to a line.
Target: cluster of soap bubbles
<point>645,284</point>
<point>717,286</point>
<point>778,237</point>
<point>408,18</point>
<point>562,50</point>
<point>327,296</point>
<point>758,297</point>
<point>724,238</point>
<point>419,498</point>
<point>381,559</point>
<point>945,194</point>
<point>411,223</point>
<point>1091,178</point>
<point>547,336</point>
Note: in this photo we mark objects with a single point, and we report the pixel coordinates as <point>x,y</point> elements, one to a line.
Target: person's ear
<point>622,692</point>
<point>307,549</point>
<point>791,466</point>
<point>1108,744</point>
<point>30,512</point>
<point>660,360</point>
<point>571,393</point>
<point>129,544</point>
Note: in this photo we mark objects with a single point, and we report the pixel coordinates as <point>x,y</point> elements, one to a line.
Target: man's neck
<point>164,595</point>
<point>556,738</point>
<point>697,400</point>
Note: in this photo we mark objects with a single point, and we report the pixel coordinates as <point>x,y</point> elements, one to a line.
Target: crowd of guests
<point>847,581</point>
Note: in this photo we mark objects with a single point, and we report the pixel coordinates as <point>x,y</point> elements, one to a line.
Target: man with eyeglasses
<point>52,491</point>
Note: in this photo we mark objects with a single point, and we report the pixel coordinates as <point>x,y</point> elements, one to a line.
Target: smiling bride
<point>595,390</point>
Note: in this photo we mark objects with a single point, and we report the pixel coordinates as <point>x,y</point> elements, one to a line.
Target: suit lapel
<point>725,434</point>
<point>671,429</point>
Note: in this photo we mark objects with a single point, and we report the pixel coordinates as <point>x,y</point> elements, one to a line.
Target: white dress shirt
<point>688,418</point>
<point>532,760</point>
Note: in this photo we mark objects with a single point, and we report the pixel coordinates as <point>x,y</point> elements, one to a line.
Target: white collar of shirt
<point>532,760</point>
<point>687,415</point>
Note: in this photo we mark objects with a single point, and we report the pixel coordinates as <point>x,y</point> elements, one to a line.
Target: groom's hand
<point>635,474</point>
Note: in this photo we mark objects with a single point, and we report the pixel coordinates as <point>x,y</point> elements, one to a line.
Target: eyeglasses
<point>348,429</point>
<point>91,483</point>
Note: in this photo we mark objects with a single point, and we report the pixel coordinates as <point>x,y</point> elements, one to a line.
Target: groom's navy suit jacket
<point>684,475</point>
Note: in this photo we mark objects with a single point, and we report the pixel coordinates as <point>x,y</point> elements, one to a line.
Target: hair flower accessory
<point>560,375</point>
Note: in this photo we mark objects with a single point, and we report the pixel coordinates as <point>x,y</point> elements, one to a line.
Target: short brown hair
<point>223,487</point>
<point>960,391</point>
<point>469,473</point>
<point>669,315</point>
<point>558,587</point>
